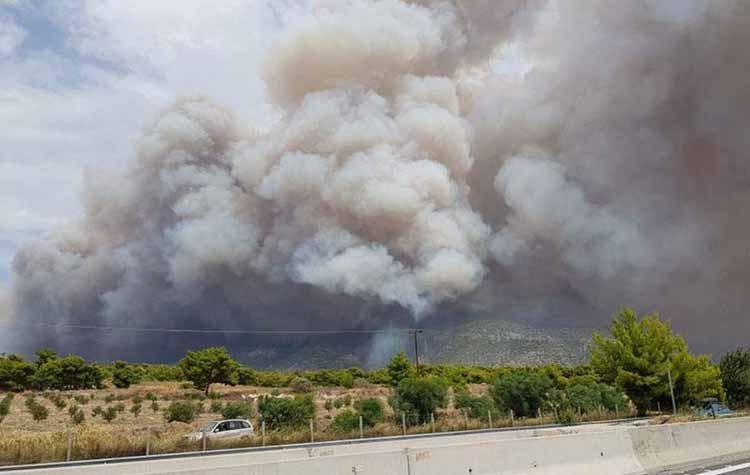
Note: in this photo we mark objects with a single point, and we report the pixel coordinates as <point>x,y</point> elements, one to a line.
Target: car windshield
<point>209,427</point>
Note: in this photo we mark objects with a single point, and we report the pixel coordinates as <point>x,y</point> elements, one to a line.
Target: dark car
<point>713,408</point>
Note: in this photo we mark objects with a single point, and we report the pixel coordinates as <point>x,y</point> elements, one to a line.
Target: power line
<point>206,330</point>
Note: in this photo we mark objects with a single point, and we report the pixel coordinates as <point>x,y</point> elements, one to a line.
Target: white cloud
<point>11,37</point>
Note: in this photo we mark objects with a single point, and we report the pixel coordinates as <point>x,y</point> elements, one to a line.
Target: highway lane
<point>712,467</point>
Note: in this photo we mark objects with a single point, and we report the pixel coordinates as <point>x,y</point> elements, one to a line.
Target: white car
<point>225,429</point>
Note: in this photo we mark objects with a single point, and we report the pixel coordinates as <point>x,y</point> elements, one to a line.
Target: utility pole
<point>671,391</point>
<point>416,332</point>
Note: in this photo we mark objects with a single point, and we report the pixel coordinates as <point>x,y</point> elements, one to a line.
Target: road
<point>712,467</point>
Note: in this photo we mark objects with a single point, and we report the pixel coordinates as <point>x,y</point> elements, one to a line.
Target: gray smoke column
<point>411,170</point>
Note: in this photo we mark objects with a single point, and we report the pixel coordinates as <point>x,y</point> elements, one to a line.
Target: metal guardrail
<point>307,445</point>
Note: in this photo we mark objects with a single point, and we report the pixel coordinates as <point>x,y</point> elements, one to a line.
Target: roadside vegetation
<point>117,409</point>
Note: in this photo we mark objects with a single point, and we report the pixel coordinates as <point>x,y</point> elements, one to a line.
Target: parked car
<point>230,428</point>
<point>711,407</point>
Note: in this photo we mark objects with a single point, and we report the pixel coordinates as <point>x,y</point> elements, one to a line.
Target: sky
<point>66,65</point>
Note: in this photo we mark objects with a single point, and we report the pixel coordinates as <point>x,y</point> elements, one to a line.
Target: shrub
<point>70,372</point>
<point>78,417</point>
<point>338,402</point>
<point>522,392</point>
<point>37,410</point>
<point>371,410</point>
<point>109,414</point>
<point>301,385</point>
<point>119,407</point>
<point>160,372</point>
<point>97,411</point>
<point>590,397</point>
<point>154,406</point>
<point>15,373</point>
<point>72,409</point>
<point>237,410</point>
<point>328,405</point>
<point>279,412</point>
<point>419,397</point>
<point>735,376</point>
<point>247,376</point>
<point>214,396</point>
<point>400,368</point>
<point>328,377</point>
<point>216,406</point>
<point>135,409</point>
<point>124,375</point>
<point>82,399</point>
<point>345,421</point>
<point>5,405</point>
<point>109,398</point>
<point>151,396</point>
<point>137,399</point>
<point>477,407</point>
<point>181,411</point>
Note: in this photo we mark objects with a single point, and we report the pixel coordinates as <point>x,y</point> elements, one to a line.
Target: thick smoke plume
<point>434,157</point>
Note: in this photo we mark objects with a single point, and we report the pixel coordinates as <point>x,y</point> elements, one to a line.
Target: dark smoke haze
<point>436,160</point>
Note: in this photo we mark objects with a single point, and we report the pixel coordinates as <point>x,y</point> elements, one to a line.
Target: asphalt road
<point>713,467</point>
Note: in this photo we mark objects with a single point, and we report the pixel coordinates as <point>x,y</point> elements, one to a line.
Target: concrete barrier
<point>582,450</point>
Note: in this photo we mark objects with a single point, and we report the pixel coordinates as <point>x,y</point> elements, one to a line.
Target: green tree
<point>638,355</point>
<point>70,372</point>
<point>207,366</point>
<point>44,355</point>
<point>15,373</point>
<point>124,375</point>
<point>477,407</point>
<point>522,391</point>
<point>400,368</point>
<point>345,421</point>
<point>419,397</point>
<point>735,376</point>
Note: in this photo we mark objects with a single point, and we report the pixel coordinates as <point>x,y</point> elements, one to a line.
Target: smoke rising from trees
<point>476,157</point>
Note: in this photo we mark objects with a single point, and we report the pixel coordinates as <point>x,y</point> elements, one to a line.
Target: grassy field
<point>28,441</point>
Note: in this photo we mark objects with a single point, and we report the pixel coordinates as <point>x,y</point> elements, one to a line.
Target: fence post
<point>361,428</point>
<point>69,452</point>
<point>466,420</point>
<point>312,432</point>
<point>403,422</point>
<point>511,418</point>
<point>204,439</point>
<point>148,441</point>
<point>432,421</point>
<point>617,411</point>
<point>263,432</point>
<point>539,414</point>
<point>489,417</point>
<point>580,415</point>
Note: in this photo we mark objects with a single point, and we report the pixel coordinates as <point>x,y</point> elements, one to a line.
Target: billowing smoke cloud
<point>433,156</point>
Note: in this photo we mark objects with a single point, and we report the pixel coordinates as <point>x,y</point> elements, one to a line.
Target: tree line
<point>632,364</point>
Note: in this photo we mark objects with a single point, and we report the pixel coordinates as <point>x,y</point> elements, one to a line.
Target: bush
<point>124,375</point>
<point>371,410</point>
<point>70,372</point>
<point>97,411</point>
<point>72,409</point>
<point>5,405</point>
<point>78,417</point>
<point>38,411</point>
<point>735,376</point>
<point>477,407</point>
<point>109,398</point>
<point>119,407</point>
<point>137,399</point>
<point>419,397</point>
<point>237,410</point>
<point>154,406</point>
<point>216,406</point>
<point>151,396</point>
<point>181,411</point>
<point>247,376</point>
<point>82,399</point>
<point>301,385</point>
<point>160,372</point>
<point>522,392</point>
<point>328,377</point>
<point>328,405</point>
<point>279,412</point>
<point>345,421</point>
<point>400,368</point>
<point>15,373</point>
<point>590,397</point>
<point>135,409</point>
<point>109,414</point>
